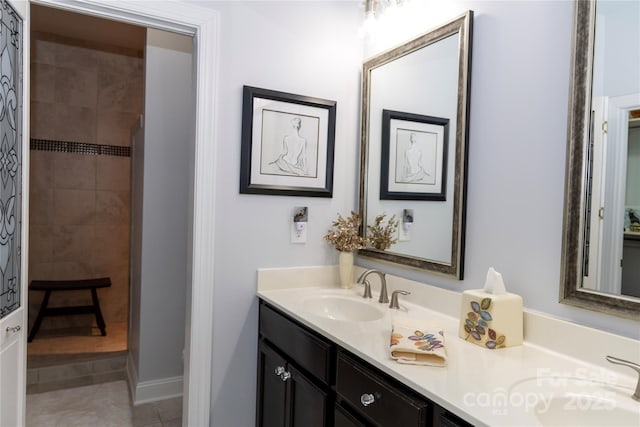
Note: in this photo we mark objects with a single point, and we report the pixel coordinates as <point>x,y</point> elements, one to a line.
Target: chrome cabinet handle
<point>284,375</point>
<point>367,399</point>
<point>13,329</point>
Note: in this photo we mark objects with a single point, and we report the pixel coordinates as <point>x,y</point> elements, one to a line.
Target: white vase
<point>345,268</point>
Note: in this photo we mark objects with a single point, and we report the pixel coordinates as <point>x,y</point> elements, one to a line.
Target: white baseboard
<point>152,391</point>
<point>132,376</point>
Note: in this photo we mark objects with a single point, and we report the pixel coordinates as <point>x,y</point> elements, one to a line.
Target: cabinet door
<point>344,419</point>
<point>444,418</point>
<point>308,403</point>
<point>271,399</point>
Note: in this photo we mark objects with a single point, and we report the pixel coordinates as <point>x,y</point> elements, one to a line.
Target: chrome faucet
<point>394,298</point>
<point>367,289</point>
<point>634,366</point>
<point>384,296</point>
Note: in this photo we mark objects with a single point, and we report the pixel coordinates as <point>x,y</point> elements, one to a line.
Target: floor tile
<point>106,404</point>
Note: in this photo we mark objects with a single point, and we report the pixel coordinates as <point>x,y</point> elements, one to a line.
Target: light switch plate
<point>298,236</point>
<point>404,235</point>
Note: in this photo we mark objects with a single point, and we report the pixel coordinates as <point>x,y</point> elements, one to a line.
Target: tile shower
<point>84,100</point>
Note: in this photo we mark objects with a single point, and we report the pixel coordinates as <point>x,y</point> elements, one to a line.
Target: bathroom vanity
<point>304,379</point>
<point>324,360</point>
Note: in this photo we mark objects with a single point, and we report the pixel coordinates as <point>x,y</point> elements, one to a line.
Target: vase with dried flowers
<point>382,237</point>
<point>345,236</point>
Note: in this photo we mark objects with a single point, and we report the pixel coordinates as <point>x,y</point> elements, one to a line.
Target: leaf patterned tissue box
<point>491,317</point>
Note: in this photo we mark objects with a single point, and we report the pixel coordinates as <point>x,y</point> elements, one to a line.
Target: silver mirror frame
<point>463,26</point>
<point>579,134</point>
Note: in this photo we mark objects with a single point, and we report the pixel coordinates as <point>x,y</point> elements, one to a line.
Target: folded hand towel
<point>417,342</point>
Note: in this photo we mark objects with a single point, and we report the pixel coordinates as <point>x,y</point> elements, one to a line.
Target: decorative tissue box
<point>491,317</point>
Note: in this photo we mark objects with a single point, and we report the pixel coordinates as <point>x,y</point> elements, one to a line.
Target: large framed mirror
<point>601,233</point>
<point>415,112</point>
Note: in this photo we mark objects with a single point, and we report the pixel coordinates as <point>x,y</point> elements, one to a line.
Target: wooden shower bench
<point>69,285</point>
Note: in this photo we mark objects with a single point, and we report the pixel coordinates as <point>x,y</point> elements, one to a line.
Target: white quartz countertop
<point>503,387</point>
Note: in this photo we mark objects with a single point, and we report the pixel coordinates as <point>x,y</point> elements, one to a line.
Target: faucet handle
<point>394,298</point>
<point>634,366</point>
<point>367,289</point>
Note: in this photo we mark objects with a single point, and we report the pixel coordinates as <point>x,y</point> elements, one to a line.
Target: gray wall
<point>167,182</point>
<point>306,48</point>
<point>135,281</point>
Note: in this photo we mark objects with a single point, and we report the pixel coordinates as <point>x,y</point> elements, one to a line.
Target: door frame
<point>203,24</point>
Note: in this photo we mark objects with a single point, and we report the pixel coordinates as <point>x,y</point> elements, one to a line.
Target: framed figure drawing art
<point>414,157</point>
<point>287,144</point>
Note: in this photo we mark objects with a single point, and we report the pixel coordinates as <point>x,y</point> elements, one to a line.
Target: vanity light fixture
<point>375,9</point>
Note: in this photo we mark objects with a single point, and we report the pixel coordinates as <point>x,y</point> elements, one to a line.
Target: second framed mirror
<point>415,112</point>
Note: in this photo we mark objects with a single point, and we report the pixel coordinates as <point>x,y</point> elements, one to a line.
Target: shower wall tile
<point>41,171</point>
<point>127,65</point>
<point>119,93</point>
<point>43,82</point>
<point>72,123</point>
<point>73,242</point>
<point>112,243</point>
<point>43,51</point>
<point>113,173</point>
<point>79,216</point>
<point>68,55</point>
<point>114,127</point>
<point>72,270</point>
<point>43,120</point>
<point>41,207</point>
<point>41,244</point>
<point>76,86</point>
<point>39,270</point>
<point>112,207</point>
<point>74,207</point>
<point>74,171</point>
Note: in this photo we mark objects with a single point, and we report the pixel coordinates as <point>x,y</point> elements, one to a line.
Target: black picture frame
<point>288,144</point>
<point>414,156</point>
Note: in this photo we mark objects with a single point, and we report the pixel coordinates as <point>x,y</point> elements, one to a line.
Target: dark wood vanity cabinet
<point>304,380</point>
<point>287,397</point>
<point>295,367</point>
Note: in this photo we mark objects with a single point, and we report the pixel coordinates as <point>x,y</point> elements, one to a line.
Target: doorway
<point>201,22</point>
<point>87,88</point>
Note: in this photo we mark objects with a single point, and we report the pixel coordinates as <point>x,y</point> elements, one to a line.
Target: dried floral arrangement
<point>382,237</point>
<point>344,234</point>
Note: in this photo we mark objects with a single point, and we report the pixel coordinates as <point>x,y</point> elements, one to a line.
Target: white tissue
<point>494,283</point>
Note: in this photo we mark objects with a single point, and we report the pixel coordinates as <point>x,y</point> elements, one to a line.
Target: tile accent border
<point>79,148</point>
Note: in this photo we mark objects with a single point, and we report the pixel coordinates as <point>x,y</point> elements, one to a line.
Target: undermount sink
<point>342,309</point>
<point>571,401</point>
<point>575,409</point>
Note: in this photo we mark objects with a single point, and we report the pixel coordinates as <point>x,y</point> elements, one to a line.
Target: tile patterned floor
<point>74,403</point>
<point>100,405</point>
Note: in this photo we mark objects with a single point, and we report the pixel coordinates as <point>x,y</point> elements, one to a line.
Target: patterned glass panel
<point>10,157</point>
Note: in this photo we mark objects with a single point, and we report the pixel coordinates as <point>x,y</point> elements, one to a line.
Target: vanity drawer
<point>389,405</point>
<point>308,350</point>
